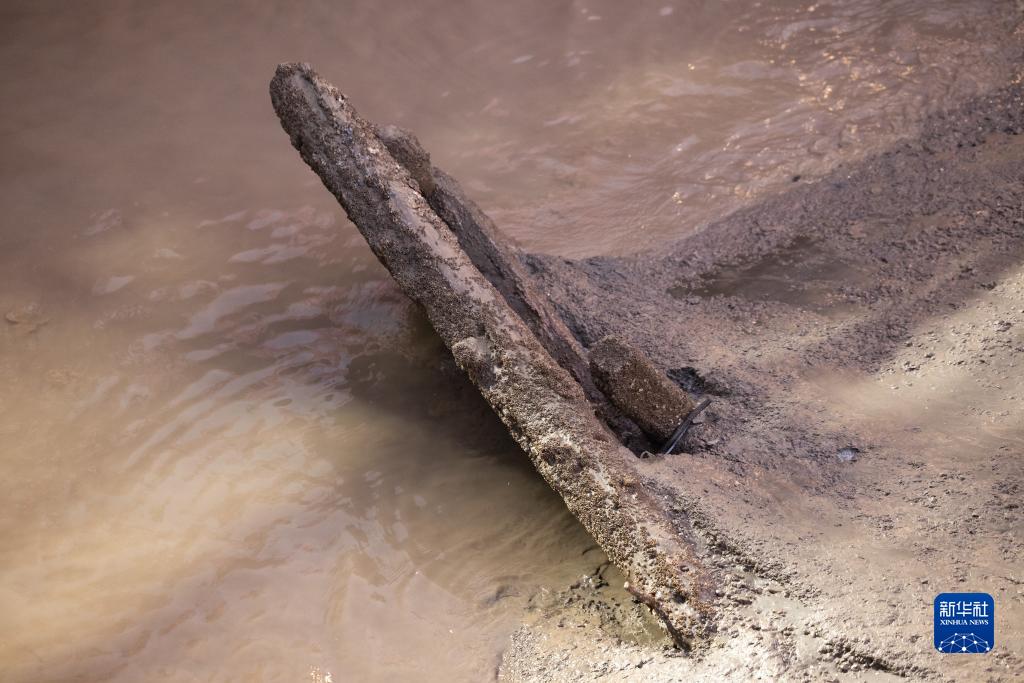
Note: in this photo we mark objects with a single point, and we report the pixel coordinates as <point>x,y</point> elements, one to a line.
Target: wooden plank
<point>543,407</point>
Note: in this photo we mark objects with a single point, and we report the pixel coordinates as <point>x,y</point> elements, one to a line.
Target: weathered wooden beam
<point>501,263</point>
<point>496,260</point>
<point>543,407</point>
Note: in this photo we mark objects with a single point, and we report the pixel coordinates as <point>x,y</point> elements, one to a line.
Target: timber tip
<point>286,69</point>
<point>289,67</point>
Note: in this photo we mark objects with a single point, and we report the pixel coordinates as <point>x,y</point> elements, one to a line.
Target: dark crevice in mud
<point>694,382</point>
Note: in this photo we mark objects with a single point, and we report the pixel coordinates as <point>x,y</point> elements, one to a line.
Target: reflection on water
<point>232,448</point>
<point>254,468</point>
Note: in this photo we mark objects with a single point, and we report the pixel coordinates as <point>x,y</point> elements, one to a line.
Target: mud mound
<point>863,335</point>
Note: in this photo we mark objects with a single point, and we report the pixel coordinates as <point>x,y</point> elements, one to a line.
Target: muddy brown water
<point>232,449</point>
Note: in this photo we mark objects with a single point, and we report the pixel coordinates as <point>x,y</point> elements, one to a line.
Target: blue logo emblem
<point>964,623</point>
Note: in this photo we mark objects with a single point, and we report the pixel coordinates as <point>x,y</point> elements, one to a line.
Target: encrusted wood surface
<point>543,406</point>
<point>499,262</point>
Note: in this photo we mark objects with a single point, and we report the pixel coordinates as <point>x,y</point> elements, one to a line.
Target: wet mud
<point>861,335</point>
